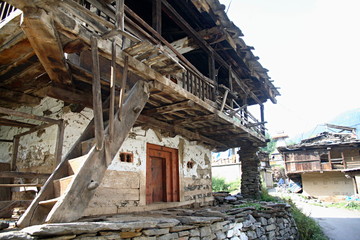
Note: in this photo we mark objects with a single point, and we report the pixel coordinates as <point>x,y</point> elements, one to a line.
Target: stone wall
<point>228,221</point>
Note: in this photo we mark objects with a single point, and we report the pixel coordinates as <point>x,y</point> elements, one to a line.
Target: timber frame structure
<point>177,66</point>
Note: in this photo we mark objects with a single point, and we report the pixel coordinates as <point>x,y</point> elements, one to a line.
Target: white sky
<point>312,49</point>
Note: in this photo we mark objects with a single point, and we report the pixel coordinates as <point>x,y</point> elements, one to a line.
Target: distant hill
<point>349,118</point>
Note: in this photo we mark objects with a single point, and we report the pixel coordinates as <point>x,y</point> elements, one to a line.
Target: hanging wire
<point>228,6</point>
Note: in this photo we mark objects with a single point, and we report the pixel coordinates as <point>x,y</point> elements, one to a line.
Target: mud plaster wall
<point>36,151</point>
<point>124,185</point>
<point>327,184</point>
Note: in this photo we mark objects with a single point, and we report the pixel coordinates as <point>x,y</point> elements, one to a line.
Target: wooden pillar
<point>250,177</point>
<point>59,142</point>
<point>262,119</point>
<point>96,90</point>
<point>15,153</point>
<point>120,15</point>
<point>211,64</point>
<point>123,85</point>
<point>112,90</point>
<point>156,15</point>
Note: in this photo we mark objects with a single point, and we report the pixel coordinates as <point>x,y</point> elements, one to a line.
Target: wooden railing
<point>5,10</point>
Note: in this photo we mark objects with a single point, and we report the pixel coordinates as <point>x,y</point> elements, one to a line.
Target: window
<point>324,158</point>
<point>126,157</point>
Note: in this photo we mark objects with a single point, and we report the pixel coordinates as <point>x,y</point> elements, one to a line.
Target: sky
<point>311,49</point>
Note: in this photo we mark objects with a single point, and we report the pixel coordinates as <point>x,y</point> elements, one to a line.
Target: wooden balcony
<point>203,102</point>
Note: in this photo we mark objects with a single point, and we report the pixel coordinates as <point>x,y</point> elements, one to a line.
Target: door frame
<point>171,172</point>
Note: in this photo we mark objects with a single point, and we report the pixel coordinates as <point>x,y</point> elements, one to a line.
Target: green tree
<point>270,146</point>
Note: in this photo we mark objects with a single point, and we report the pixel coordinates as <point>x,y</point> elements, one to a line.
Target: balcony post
<point>262,119</point>
<point>250,178</point>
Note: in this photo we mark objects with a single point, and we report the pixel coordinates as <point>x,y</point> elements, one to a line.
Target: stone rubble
<point>229,219</point>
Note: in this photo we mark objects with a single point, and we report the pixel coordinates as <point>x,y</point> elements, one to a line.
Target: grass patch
<point>220,185</point>
<point>348,205</point>
<point>257,206</point>
<point>308,228</point>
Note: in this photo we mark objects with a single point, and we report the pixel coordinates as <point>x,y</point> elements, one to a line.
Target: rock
<point>243,236</point>
<point>168,236</point>
<point>220,235</point>
<point>68,237</point>
<point>263,221</point>
<point>230,233</point>
<point>234,238</point>
<point>144,238</point>
<point>198,220</point>
<point>184,233</point>
<point>181,228</point>
<point>57,229</point>
<point>270,227</point>
<point>194,233</point>
<point>155,231</point>
<point>16,235</point>
<point>230,199</point>
<point>130,234</point>
<point>4,225</point>
<point>271,220</point>
<point>251,235</point>
<point>205,231</point>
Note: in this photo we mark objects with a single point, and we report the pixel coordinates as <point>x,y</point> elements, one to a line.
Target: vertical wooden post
<point>224,100</point>
<point>96,90</point>
<point>343,160</point>
<point>120,15</point>
<point>123,85</point>
<point>262,118</point>
<point>16,141</point>
<point>156,15</point>
<point>329,158</point>
<point>112,90</point>
<point>59,142</point>
<point>230,79</point>
<point>212,73</point>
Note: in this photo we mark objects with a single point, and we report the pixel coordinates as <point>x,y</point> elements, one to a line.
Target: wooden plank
<point>224,100</point>
<point>112,90</point>
<point>8,174</point>
<point>14,123</point>
<point>34,129</point>
<point>120,15</point>
<point>123,85</point>
<point>156,15</point>
<point>19,97</point>
<point>6,207</point>
<point>59,142</point>
<point>205,118</point>
<point>170,108</point>
<point>96,90</point>
<point>40,30</point>
<point>27,115</point>
<point>5,193</point>
<point>15,153</point>
<point>21,185</point>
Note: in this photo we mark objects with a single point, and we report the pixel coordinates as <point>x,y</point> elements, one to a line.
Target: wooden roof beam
<point>170,108</point>
<point>43,37</point>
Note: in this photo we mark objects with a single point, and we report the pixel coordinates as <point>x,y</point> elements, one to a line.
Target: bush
<point>220,185</point>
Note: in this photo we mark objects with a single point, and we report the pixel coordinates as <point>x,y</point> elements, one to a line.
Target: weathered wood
<point>170,108</point>
<point>156,15</point>
<point>40,30</point>
<point>59,142</point>
<point>112,90</point>
<point>21,185</point>
<point>14,123</point>
<point>120,15</point>
<point>23,175</point>
<point>19,97</point>
<point>6,207</point>
<point>123,86</point>
<point>15,149</point>
<point>6,140</point>
<point>27,115</point>
<point>210,117</point>
<point>34,129</point>
<point>71,206</point>
<point>224,100</point>
<point>96,90</point>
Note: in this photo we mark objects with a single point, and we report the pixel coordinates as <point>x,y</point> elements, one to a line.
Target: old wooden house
<point>327,165</point>
<point>115,106</point>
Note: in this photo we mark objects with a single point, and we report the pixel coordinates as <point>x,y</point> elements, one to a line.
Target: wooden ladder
<point>71,186</point>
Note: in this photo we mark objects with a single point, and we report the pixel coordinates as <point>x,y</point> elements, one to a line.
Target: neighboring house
<point>123,104</point>
<point>326,165</point>
<point>276,157</point>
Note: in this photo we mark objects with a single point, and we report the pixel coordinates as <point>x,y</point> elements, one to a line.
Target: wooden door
<point>158,179</point>
<point>162,174</point>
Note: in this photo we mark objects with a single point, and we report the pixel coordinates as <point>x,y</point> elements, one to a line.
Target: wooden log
<point>21,185</point>
<point>96,90</point>
<point>59,142</point>
<point>10,174</point>
<point>27,115</point>
<point>14,123</point>
<point>123,85</point>
<point>6,140</point>
<point>170,108</point>
<point>112,90</point>
<point>224,100</point>
<point>40,30</point>
<point>6,207</point>
<point>34,129</point>
<point>15,152</point>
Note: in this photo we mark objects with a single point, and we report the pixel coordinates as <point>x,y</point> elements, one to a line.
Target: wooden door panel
<point>157,179</point>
